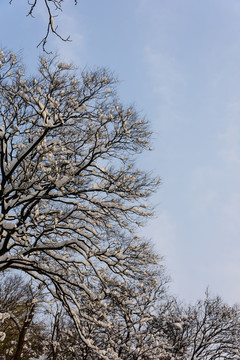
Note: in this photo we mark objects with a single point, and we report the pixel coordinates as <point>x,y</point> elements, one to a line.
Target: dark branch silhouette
<point>53,7</point>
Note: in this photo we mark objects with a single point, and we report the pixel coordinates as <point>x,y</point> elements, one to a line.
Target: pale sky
<point>178,61</point>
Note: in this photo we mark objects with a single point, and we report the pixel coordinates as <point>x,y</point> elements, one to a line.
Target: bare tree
<point>71,196</point>
<point>52,7</point>
<point>129,309</point>
<point>209,330</point>
<point>19,305</point>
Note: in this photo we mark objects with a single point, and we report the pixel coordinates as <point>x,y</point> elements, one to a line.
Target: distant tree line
<point>38,328</point>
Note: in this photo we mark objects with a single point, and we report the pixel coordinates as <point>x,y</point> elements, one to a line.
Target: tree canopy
<point>71,195</point>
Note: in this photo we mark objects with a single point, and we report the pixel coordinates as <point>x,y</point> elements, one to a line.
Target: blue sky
<point>179,63</point>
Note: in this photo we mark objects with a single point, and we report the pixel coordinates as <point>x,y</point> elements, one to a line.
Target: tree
<point>50,333</point>
<point>71,195</point>
<point>53,336</point>
<point>19,305</point>
<point>52,7</point>
<point>129,311</point>
<point>208,330</point>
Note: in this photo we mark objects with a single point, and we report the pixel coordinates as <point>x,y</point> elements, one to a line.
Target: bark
<point>22,334</point>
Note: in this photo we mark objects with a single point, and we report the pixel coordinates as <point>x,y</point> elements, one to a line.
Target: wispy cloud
<point>166,76</point>
<point>230,138</point>
<point>163,232</point>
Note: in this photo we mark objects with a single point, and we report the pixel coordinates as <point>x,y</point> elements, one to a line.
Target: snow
<point>4,316</point>
<point>64,66</point>
<point>8,225</point>
<point>59,183</point>
<point>2,132</point>
<point>178,326</point>
<point>2,336</point>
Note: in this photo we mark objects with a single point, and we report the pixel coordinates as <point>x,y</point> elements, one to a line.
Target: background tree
<point>128,311</point>
<point>71,195</point>
<point>23,334</point>
<point>54,336</point>
<point>208,330</point>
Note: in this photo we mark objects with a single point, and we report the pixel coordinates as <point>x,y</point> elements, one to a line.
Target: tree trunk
<point>22,334</point>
